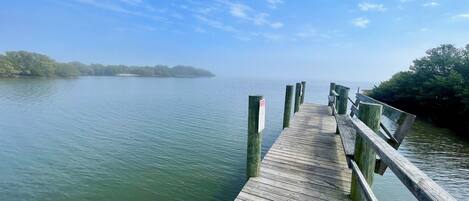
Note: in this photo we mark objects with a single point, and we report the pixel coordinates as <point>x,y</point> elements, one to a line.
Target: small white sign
<point>261,124</point>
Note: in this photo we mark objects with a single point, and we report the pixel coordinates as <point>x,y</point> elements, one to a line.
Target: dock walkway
<point>307,162</point>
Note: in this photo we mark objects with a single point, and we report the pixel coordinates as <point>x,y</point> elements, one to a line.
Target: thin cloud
<point>107,6</point>
<point>119,9</point>
<point>431,4</point>
<point>268,36</point>
<point>248,14</point>
<point>216,24</point>
<point>131,2</point>
<point>361,22</point>
<point>239,10</point>
<point>274,3</point>
<point>259,19</point>
<point>365,6</point>
<point>312,33</point>
<point>276,25</point>
<point>464,16</point>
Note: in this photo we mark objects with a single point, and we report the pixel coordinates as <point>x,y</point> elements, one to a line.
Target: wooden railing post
<point>255,126</point>
<point>343,99</point>
<point>303,89</point>
<point>364,156</point>
<point>288,103</point>
<point>297,97</point>
<point>331,88</point>
<point>336,89</point>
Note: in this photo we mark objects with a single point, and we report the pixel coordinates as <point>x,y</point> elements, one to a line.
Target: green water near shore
<point>440,153</point>
<point>130,138</point>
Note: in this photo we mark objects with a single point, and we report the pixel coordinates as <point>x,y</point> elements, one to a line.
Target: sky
<point>304,39</point>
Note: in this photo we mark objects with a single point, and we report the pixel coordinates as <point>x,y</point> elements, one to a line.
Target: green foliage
<point>27,64</point>
<point>6,68</point>
<point>436,87</point>
<point>66,70</point>
<point>22,63</point>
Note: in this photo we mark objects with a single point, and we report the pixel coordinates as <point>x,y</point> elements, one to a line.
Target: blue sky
<point>304,39</point>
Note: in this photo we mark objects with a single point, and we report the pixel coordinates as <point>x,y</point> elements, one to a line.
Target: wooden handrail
<point>401,120</point>
<point>335,93</point>
<point>385,146</point>
<point>387,133</point>
<point>353,103</point>
<point>369,195</point>
<point>419,184</point>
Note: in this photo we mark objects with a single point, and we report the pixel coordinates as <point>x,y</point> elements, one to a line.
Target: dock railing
<point>371,134</point>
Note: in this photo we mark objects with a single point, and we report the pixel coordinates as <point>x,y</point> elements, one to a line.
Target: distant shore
<point>30,64</point>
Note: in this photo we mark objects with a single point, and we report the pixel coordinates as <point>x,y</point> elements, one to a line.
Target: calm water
<point>111,138</point>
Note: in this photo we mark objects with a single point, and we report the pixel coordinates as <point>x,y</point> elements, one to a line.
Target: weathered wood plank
<point>365,188</point>
<point>307,161</point>
<point>403,120</point>
<point>336,184</point>
<point>248,197</point>
<point>329,174</point>
<point>370,114</point>
<point>400,122</point>
<point>308,189</point>
<point>347,133</point>
<point>314,156</point>
<point>413,178</point>
<point>290,195</point>
<point>318,160</point>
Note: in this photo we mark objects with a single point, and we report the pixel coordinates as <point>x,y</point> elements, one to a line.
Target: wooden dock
<point>307,162</point>
<point>311,158</point>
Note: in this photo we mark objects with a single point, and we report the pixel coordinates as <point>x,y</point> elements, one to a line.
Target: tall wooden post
<point>331,88</point>
<point>297,97</point>
<point>336,89</point>
<point>303,89</point>
<point>364,155</point>
<point>254,136</point>
<point>343,99</point>
<point>288,103</point>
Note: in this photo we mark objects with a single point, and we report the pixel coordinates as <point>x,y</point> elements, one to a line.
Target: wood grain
<point>307,162</point>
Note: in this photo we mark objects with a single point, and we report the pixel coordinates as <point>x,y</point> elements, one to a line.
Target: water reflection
<point>109,138</point>
<point>441,154</point>
<point>29,91</point>
<point>438,152</point>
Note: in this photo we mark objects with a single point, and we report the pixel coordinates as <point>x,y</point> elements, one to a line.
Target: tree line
<point>30,64</point>
<point>436,87</point>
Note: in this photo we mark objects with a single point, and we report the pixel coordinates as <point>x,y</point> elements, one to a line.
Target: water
<point>441,154</point>
<point>116,138</point>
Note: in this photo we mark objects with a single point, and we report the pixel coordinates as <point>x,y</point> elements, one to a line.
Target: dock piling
<point>343,99</point>
<point>303,89</point>
<point>331,88</point>
<point>364,155</point>
<point>254,137</point>
<point>336,89</point>
<point>297,97</point>
<point>288,103</point>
